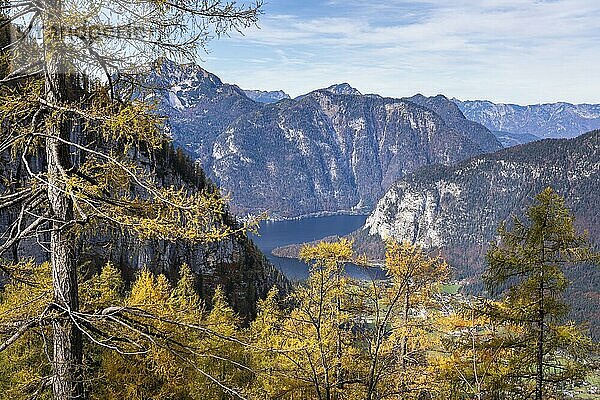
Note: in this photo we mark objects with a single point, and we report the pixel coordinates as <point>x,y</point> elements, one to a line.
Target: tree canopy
<point>75,147</point>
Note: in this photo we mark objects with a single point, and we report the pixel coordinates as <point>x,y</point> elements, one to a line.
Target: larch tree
<point>68,140</point>
<point>401,309</point>
<point>342,338</point>
<point>266,334</point>
<point>418,274</point>
<point>322,312</point>
<point>171,349</point>
<point>303,351</point>
<point>528,264</point>
<point>474,361</point>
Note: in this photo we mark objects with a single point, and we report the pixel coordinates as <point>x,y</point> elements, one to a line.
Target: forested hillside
<point>234,263</point>
<point>457,209</point>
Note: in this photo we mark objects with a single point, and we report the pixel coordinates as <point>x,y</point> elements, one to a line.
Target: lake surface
<point>281,233</point>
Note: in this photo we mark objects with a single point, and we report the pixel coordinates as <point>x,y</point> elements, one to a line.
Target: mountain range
<point>326,152</point>
<point>330,150</point>
<point>553,120</point>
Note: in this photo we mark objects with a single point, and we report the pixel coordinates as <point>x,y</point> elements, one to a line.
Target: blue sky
<point>521,51</point>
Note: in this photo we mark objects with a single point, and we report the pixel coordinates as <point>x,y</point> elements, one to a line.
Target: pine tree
<point>528,265</point>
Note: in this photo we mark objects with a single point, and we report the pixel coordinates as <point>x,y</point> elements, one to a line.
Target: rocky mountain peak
<point>343,89</point>
<point>190,74</point>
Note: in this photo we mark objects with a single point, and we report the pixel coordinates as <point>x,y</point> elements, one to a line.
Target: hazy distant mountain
<point>329,150</point>
<point>556,120</point>
<point>458,208</point>
<point>267,96</point>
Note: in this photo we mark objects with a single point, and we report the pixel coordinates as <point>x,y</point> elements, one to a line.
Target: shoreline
<point>293,250</point>
<point>363,213</point>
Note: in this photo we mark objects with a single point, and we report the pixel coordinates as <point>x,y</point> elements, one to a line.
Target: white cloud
<point>513,50</point>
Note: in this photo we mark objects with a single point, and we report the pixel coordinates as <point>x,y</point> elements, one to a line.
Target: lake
<point>280,233</point>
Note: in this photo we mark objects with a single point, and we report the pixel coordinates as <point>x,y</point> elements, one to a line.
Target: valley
<point>344,201</point>
<point>335,151</point>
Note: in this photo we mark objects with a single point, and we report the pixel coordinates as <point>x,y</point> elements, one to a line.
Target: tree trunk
<point>540,343</point>
<point>338,366</point>
<point>67,349</point>
<point>404,352</point>
<point>541,316</point>
<point>67,338</point>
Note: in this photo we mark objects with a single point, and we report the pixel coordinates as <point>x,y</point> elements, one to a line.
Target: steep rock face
<point>443,206</point>
<point>266,96</point>
<point>235,264</point>
<point>455,119</point>
<point>330,152</point>
<point>458,208</point>
<point>555,120</point>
